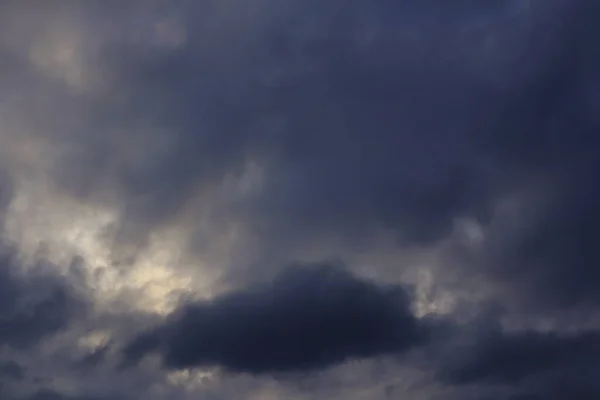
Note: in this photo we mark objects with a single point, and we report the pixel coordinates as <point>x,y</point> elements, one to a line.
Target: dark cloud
<point>307,318</point>
<point>53,395</point>
<point>401,116</point>
<point>394,115</point>
<point>33,304</point>
<point>523,363</point>
<point>551,258</point>
<point>511,358</point>
<point>94,358</point>
<point>546,252</point>
<point>336,101</point>
<point>11,370</point>
<point>36,303</point>
<point>6,193</point>
<point>368,149</point>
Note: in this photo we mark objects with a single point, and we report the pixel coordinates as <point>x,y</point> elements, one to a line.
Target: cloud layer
<point>164,163</point>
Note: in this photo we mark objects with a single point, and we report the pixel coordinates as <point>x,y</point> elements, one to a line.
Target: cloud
<point>165,141</point>
<point>308,318</point>
<point>521,362</point>
<point>53,395</point>
<point>512,358</point>
<point>11,370</point>
<point>296,87</point>
<point>36,305</point>
<point>33,305</point>
<point>544,247</point>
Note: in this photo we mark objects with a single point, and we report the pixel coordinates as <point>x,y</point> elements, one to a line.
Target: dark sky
<point>223,199</point>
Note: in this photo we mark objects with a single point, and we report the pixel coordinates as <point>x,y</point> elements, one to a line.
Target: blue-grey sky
<point>222,199</point>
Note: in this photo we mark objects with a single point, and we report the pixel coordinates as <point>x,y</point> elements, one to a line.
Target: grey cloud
<point>33,305</point>
<point>36,304</point>
<point>511,358</point>
<point>306,68</point>
<point>94,358</point>
<point>11,370</point>
<point>6,193</point>
<point>307,318</point>
<point>402,115</point>
<point>389,137</point>
<point>542,136</point>
<point>521,364</point>
<point>53,395</point>
<point>336,100</point>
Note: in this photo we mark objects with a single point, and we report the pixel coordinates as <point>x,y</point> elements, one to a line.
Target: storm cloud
<point>526,362</point>
<point>164,163</point>
<point>308,318</point>
<point>35,305</point>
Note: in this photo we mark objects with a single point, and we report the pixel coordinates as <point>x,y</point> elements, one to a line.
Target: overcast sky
<point>299,199</point>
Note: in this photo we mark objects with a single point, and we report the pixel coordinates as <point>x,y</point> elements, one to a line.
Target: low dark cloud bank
<point>308,318</point>
<point>528,364</point>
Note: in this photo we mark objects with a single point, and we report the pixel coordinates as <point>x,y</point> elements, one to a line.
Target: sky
<point>285,199</point>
